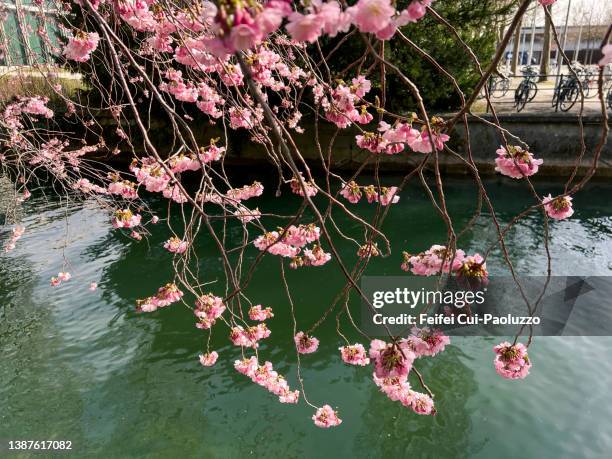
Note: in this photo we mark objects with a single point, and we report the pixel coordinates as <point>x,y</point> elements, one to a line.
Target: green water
<point>84,367</point>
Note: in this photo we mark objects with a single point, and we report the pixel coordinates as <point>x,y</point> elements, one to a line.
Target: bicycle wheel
<point>520,97</point>
<point>493,88</point>
<point>533,90</point>
<point>505,86</point>
<point>570,97</point>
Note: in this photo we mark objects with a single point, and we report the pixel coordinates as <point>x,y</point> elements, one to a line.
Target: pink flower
<point>474,268</point>
<point>64,276</point>
<point>93,286</point>
<point>372,15</point>
<point>511,361</point>
<point>546,2</point>
<point>126,219</point>
<point>304,27</point>
<point>165,296</point>
<point>354,354</point>
<point>249,337</point>
<point>55,282</point>
<point>558,208</point>
<point>305,344</point>
<point>257,313</point>
<point>433,261</point>
<point>516,162</point>
<point>155,219</point>
<point>421,403</point>
<point>80,46</point>
<point>607,55</point>
<point>175,245</point>
<point>208,309</point>
<point>434,341</point>
<point>351,192</point>
<point>326,417</point>
<point>316,256</point>
<point>208,359</point>
<point>391,360</point>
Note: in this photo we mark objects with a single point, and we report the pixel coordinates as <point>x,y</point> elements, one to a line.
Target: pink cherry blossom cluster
<point>203,95</point>
<point>391,140</point>
<point>383,195</point>
<point>558,208</point>
<point>250,336</point>
<point>511,361</point>
<point>11,117</point>
<point>516,162</point>
<point>314,256</point>
<point>354,354</point>
<point>61,277</point>
<point>123,188</point>
<point>126,219</point>
<point>208,359</point>
<point>309,185</point>
<point>85,186</point>
<point>290,243</point>
<point>325,417</point>
<point>208,309</point>
<point>80,47</point>
<point>175,245</point>
<point>426,341</point>
<point>305,344</point>
<point>165,296</point>
<point>398,389</point>
<point>246,215</point>
<point>246,118</point>
<point>391,359</point>
<point>257,313</point>
<point>16,234</point>
<point>245,192</point>
<point>340,106</point>
<point>474,269</point>
<point>433,261</point>
<point>265,376</point>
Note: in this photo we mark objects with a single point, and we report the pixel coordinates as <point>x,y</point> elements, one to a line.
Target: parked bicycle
<point>566,92</point>
<point>527,88</point>
<point>588,80</point>
<point>607,91</point>
<point>499,85</point>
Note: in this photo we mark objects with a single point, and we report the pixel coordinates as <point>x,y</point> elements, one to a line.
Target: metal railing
<point>567,90</point>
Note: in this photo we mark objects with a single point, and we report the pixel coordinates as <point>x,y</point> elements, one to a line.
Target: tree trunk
<point>545,60</point>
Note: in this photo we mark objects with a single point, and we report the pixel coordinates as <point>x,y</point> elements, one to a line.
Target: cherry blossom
<point>354,354</point>
<point>511,361</point>
<point>305,344</point>
<point>326,417</point>
<point>516,162</point>
<point>80,47</point>
<point>558,208</point>
<point>208,359</point>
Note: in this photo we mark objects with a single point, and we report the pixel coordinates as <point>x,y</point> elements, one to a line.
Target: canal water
<point>85,367</point>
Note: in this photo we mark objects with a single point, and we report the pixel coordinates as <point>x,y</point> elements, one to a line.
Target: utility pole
<point>533,27</point>
<point>565,31</point>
